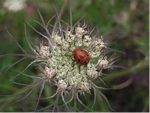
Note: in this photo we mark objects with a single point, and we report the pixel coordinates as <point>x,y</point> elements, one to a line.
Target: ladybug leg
<point>86,62</point>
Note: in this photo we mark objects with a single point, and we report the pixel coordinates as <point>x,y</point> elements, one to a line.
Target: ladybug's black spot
<point>79,60</point>
<point>74,56</point>
<point>87,55</point>
<point>83,56</point>
<point>81,50</point>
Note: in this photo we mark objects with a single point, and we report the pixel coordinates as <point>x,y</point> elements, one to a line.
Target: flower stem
<point>11,88</point>
<point>75,104</point>
<point>137,67</point>
<point>75,101</point>
<point>62,10</point>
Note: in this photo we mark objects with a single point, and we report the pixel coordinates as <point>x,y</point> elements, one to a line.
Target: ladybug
<point>81,56</point>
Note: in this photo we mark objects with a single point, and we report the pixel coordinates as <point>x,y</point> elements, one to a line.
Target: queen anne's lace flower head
<point>62,63</point>
<point>55,58</point>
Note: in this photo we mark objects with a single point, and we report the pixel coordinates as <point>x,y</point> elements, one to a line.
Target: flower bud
<point>92,74</point>
<point>84,86</point>
<point>49,72</point>
<point>44,51</point>
<point>62,85</point>
<point>103,62</point>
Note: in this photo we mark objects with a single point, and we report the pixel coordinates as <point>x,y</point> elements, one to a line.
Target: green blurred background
<point>109,16</point>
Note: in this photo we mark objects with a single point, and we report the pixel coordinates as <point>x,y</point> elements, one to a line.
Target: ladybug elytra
<point>81,56</point>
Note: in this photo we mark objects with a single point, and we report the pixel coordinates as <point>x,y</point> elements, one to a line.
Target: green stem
<point>137,67</point>
<point>75,101</point>
<point>11,88</point>
<point>75,104</point>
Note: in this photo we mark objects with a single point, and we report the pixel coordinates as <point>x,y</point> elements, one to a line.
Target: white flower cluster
<point>14,5</point>
<point>62,66</point>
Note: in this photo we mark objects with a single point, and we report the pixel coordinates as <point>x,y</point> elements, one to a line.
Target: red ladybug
<point>81,56</point>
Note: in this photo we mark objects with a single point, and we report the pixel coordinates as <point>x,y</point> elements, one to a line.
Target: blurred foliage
<point>109,16</point>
